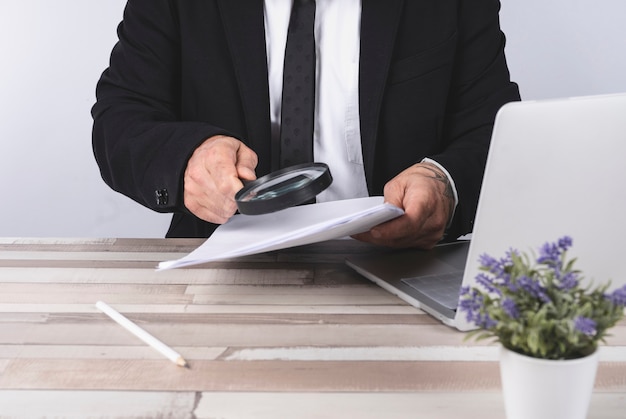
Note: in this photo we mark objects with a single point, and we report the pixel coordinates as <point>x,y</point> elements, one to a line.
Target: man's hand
<point>424,192</point>
<point>214,175</point>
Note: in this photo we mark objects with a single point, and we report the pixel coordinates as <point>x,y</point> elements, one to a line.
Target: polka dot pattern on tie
<point>296,134</point>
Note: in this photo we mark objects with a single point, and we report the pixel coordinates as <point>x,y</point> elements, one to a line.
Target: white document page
<point>249,234</point>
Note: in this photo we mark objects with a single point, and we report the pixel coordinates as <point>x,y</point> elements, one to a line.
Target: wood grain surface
<point>287,334</point>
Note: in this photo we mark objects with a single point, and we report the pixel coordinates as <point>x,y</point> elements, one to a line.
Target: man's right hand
<point>214,175</point>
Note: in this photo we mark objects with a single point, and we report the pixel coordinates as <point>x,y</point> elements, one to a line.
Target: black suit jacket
<point>432,77</point>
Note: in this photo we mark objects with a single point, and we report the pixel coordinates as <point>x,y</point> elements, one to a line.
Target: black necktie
<point>296,132</point>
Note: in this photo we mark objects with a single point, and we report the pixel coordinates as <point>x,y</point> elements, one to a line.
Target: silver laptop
<point>555,168</point>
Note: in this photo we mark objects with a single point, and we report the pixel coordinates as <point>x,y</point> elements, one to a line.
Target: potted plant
<point>549,326</point>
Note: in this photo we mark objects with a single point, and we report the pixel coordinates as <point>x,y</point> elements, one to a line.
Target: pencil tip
<point>181,362</point>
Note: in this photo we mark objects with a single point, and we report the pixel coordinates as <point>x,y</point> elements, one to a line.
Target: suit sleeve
<point>139,142</point>
<point>480,86</point>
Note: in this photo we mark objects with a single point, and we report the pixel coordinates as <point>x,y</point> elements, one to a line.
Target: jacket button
<point>162,197</point>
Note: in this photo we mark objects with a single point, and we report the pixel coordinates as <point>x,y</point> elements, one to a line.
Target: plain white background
<point>52,54</point>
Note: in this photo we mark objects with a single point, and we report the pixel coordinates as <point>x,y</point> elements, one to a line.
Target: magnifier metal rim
<point>288,199</point>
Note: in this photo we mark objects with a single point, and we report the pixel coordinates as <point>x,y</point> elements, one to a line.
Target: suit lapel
<point>245,33</point>
<point>379,24</point>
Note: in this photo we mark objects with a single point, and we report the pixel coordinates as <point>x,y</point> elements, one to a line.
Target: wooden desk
<point>290,334</point>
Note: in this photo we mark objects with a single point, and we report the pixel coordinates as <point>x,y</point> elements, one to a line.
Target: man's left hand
<point>425,194</point>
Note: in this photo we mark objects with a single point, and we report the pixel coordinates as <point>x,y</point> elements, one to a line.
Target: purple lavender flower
<point>488,283</point>
<point>585,325</point>
<point>492,264</point>
<point>565,243</point>
<point>497,267</point>
<point>550,253</point>
<point>510,308</point>
<point>486,322</point>
<point>512,289</point>
<point>618,297</point>
<point>569,281</point>
<point>534,288</point>
<point>472,302</point>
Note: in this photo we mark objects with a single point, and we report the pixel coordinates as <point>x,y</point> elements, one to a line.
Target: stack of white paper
<point>250,234</point>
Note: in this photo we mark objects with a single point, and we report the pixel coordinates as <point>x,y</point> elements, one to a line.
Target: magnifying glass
<point>283,189</point>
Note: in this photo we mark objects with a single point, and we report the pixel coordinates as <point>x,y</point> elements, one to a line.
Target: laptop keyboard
<point>442,288</point>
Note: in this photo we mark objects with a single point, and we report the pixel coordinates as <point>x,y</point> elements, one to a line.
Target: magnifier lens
<point>283,189</point>
<point>277,189</point>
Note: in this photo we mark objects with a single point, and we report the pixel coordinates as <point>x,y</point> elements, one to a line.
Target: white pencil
<point>165,350</point>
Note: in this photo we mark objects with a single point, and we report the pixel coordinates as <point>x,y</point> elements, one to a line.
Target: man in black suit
<point>186,110</point>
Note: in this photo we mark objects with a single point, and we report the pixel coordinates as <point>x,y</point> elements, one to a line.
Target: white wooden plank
<point>25,404</point>
<point>378,353</point>
<point>390,353</point>
<point>487,405</point>
<point>445,405</point>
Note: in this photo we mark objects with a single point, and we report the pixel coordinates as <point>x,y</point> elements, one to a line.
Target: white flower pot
<point>536,388</point>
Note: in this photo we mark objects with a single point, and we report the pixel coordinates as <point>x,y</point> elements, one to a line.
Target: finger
<point>220,161</point>
<point>398,232</point>
<point>247,161</point>
<point>405,241</point>
<point>229,162</point>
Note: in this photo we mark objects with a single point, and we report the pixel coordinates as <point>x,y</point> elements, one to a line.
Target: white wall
<point>561,48</point>
<point>52,53</point>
